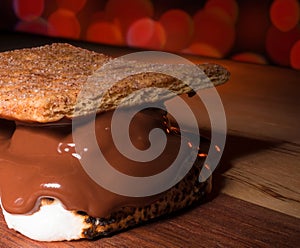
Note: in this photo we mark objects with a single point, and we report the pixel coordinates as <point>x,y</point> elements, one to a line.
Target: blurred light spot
<point>228,6</point>
<point>146,33</point>
<point>279,44</point>
<point>215,30</point>
<point>250,57</point>
<point>104,32</point>
<point>36,26</point>
<point>203,49</point>
<point>73,5</point>
<point>179,29</point>
<point>285,14</point>
<point>64,23</point>
<point>295,55</point>
<point>127,12</point>
<point>28,10</point>
<point>252,25</point>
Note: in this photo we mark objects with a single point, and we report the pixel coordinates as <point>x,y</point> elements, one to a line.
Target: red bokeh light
<point>285,14</point>
<point>279,44</point>
<point>73,5</point>
<point>295,55</point>
<point>213,29</point>
<point>28,10</point>
<point>179,29</point>
<point>252,26</point>
<point>250,57</point>
<point>203,49</point>
<point>127,12</point>
<point>104,32</point>
<point>64,23</point>
<point>228,6</point>
<point>37,26</point>
<point>146,33</point>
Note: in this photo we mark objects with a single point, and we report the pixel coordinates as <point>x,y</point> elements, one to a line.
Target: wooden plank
<point>260,165</point>
<point>222,222</point>
<point>261,161</point>
<point>268,177</point>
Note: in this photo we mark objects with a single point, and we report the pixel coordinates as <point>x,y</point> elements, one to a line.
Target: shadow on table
<point>237,147</point>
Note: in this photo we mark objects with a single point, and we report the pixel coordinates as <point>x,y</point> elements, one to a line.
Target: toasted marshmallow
<point>52,222</point>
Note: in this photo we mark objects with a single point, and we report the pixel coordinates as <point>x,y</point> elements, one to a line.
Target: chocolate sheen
<point>38,161</point>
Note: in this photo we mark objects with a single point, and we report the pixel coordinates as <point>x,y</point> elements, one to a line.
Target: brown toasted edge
<point>187,192</point>
<point>30,106</point>
<point>113,97</point>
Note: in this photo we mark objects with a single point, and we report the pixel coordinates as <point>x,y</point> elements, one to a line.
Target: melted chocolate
<point>40,161</point>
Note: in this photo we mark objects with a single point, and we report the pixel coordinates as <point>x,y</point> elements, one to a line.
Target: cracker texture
<point>187,192</point>
<point>42,84</point>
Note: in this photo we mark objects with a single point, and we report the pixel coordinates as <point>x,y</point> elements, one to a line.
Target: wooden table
<point>256,196</point>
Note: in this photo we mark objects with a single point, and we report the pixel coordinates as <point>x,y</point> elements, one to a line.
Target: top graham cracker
<point>42,84</point>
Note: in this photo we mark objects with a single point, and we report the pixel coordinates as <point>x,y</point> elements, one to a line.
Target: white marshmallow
<point>52,222</point>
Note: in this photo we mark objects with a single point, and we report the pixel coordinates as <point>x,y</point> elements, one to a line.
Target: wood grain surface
<point>261,162</point>
<point>275,185</point>
<point>221,222</point>
<point>256,198</point>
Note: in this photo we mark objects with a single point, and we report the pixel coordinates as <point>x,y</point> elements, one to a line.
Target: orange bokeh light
<point>203,49</point>
<point>285,14</point>
<point>73,5</point>
<point>28,10</point>
<point>279,44</point>
<point>250,57</point>
<point>229,6</point>
<point>179,29</point>
<point>37,26</point>
<point>64,23</point>
<point>146,33</point>
<point>214,29</point>
<point>104,32</point>
<point>295,55</point>
<point>252,26</point>
<point>127,12</point>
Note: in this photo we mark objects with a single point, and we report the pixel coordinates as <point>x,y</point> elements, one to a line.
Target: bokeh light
<point>179,29</point>
<point>104,32</point>
<point>64,23</point>
<point>252,31</point>
<point>36,26</point>
<point>127,12</point>
<point>73,5</point>
<point>295,55</point>
<point>146,33</point>
<point>203,49</point>
<point>228,6</point>
<point>250,57</point>
<point>252,26</point>
<point>279,44</point>
<point>28,10</point>
<point>285,14</point>
<point>214,29</point>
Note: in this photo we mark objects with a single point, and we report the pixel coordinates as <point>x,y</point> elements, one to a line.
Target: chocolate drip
<point>39,161</point>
